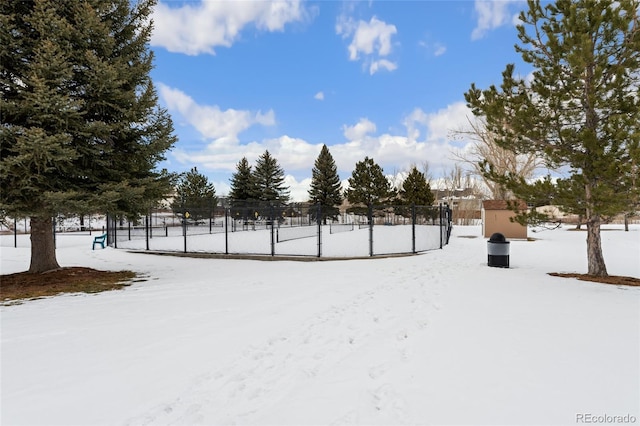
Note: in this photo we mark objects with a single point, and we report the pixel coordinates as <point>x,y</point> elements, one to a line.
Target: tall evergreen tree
<point>242,183</point>
<point>368,185</point>
<point>325,185</point>
<point>581,110</point>
<point>243,191</point>
<point>195,195</point>
<point>81,130</point>
<point>416,190</point>
<point>269,181</point>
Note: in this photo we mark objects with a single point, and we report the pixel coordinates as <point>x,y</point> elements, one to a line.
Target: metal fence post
<point>115,232</point>
<point>370,217</point>
<point>15,232</point>
<point>226,231</point>
<point>319,221</point>
<point>146,230</point>
<point>184,230</point>
<point>449,223</point>
<point>273,243</point>
<point>440,210</point>
<point>413,228</point>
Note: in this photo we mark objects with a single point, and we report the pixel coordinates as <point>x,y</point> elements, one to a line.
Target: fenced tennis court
<point>293,230</point>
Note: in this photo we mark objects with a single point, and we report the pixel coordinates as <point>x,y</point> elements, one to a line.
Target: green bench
<point>101,240</point>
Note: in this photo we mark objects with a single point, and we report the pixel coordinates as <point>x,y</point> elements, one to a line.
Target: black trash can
<point>498,251</point>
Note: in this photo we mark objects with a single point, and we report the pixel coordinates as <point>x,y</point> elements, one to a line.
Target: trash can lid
<point>497,238</point>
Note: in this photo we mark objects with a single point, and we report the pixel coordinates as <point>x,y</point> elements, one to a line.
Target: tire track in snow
<point>265,373</point>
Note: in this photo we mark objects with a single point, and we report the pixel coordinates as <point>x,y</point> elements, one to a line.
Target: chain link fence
<point>292,230</point>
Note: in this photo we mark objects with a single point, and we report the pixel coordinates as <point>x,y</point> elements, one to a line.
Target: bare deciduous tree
<point>462,192</point>
<point>426,171</point>
<point>483,151</point>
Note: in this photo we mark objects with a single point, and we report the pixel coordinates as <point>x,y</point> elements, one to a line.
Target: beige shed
<point>496,218</point>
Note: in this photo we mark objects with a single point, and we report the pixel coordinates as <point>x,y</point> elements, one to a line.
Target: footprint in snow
<point>387,401</point>
<point>378,370</point>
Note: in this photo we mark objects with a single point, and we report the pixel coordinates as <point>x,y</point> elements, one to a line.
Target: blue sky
<point>379,79</point>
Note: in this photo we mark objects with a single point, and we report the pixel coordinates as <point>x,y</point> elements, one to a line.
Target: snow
<point>435,338</point>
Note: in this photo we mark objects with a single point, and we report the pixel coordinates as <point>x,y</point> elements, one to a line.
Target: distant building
<point>465,204</point>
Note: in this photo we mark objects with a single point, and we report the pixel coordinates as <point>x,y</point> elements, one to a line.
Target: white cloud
<point>435,49</point>
<point>440,49</point>
<point>439,124</point>
<point>382,63</point>
<point>371,37</point>
<point>293,153</point>
<point>195,28</point>
<point>298,190</point>
<point>319,96</point>
<point>211,121</point>
<point>359,130</point>
<point>371,41</point>
<point>428,139</point>
<point>491,15</point>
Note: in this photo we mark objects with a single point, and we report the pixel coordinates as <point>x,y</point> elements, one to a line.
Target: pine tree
<point>269,181</point>
<point>416,190</point>
<point>325,185</point>
<point>242,183</point>
<point>81,130</point>
<point>368,185</point>
<point>581,110</point>
<point>243,191</point>
<point>195,195</point>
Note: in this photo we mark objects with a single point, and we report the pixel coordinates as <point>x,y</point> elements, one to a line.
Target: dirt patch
<point>612,279</point>
<point>25,285</point>
<point>584,228</point>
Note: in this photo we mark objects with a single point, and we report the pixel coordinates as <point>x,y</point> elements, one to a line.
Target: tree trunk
<point>626,222</point>
<point>43,250</point>
<point>595,259</point>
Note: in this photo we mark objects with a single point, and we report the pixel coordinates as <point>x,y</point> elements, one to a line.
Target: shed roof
<point>502,204</point>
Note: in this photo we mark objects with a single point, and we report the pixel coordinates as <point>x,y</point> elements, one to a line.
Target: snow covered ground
<point>437,338</point>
